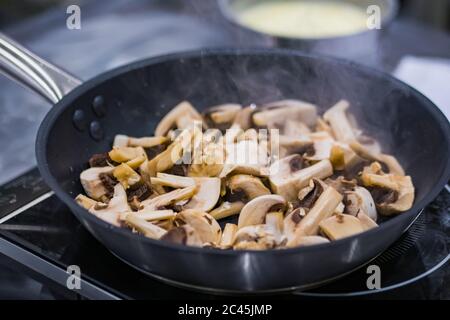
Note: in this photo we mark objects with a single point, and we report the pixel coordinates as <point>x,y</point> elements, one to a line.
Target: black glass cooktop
<point>45,238</point>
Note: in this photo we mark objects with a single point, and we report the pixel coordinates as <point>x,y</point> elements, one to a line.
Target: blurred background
<point>415,48</point>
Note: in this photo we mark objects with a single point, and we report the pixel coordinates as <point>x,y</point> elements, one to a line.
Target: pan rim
<point>56,110</point>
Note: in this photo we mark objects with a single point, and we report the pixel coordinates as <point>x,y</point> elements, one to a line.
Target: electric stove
<point>41,238</point>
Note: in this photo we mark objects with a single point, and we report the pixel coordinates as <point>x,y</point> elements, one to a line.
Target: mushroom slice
<point>85,202</point>
<point>322,209</point>
<point>130,155</point>
<point>274,223</point>
<point>366,221</point>
<point>291,222</point>
<point>227,209</point>
<point>166,159</point>
<point>111,212</point>
<point>309,195</point>
<point>337,118</point>
<point>359,200</point>
<point>243,119</point>
<point>255,237</point>
<point>92,183</point>
<point>121,140</point>
<point>392,194</point>
<point>250,185</point>
<point>221,115</point>
<point>323,144</point>
<point>308,241</point>
<point>295,129</point>
<point>182,116</point>
<point>392,163</point>
<point>341,226</point>
<point>245,157</point>
<point>150,215</point>
<point>287,176</point>
<point>208,191</point>
<point>289,145</point>
<point>185,235</point>
<point>126,175</point>
<point>277,112</point>
<point>148,229</point>
<point>228,236</point>
<point>169,199</point>
<point>205,225</point>
<point>255,211</point>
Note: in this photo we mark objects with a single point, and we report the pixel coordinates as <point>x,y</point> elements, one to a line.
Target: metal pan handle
<point>33,72</point>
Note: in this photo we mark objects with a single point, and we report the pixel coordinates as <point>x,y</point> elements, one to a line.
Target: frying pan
<point>132,99</point>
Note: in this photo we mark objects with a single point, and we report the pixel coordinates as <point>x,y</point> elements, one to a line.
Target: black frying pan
<point>132,99</point>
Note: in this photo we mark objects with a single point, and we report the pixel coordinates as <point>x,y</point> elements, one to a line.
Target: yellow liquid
<point>305,19</point>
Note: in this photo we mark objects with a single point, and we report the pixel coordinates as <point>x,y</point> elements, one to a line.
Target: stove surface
<point>46,238</point>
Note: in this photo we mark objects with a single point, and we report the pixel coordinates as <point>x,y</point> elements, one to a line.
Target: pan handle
<point>33,72</point>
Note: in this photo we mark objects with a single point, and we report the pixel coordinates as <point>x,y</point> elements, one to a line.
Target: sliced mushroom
<point>92,183</point>
<point>121,140</point>
<point>208,191</point>
<point>308,196</point>
<point>392,163</point>
<point>323,143</point>
<point>132,156</point>
<point>227,209</point>
<point>222,116</point>
<point>243,119</point>
<point>392,194</point>
<point>249,185</point>
<point>111,212</point>
<point>277,112</point>
<point>341,226</point>
<point>181,117</point>
<point>295,129</point>
<point>307,241</point>
<point>287,176</point>
<point>256,210</point>
<point>274,223</point>
<point>337,118</point>
<point>359,200</point>
<point>299,145</point>
<point>169,199</point>
<point>85,202</point>
<point>166,159</point>
<point>185,235</point>
<point>255,237</point>
<point>291,222</point>
<point>228,234</point>
<point>322,209</point>
<point>148,229</point>
<point>205,225</point>
<point>150,215</point>
<point>126,176</point>
<point>366,221</point>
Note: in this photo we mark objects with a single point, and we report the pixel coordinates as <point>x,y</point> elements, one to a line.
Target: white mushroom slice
<point>228,236</point>
<point>366,221</point>
<point>307,241</point>
<point>121,140</point>
<point>91,182</point>
<point>295,129</point>
<point>243,119</point>
<point>256,210</point>
<point>169,198</point>
<point>287,176</point>
<point>255,237</point>
<point>322,209</point>
<point>208,191</point>
<point>148,229</point>
<point>150,215</point>
<point>289,145</point>
<point>185,235</point>
<point>277,112</point>
<point>358,200</point>
<point>274,223</point>
<point>85,202</point>
<point>183,115</point>
<point>291,222</point>
<point>392,163</point>
<point>341,226</point>
<point>323,143</point>
<point>337,118</point>
<point>227,209</point>
<point>204,224</point>
<point>225,113</point>
<point>392,194</point>
<point>126,175</point>
<point>166,159</point>
<point>117,205</point>
<point>250,185</point>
